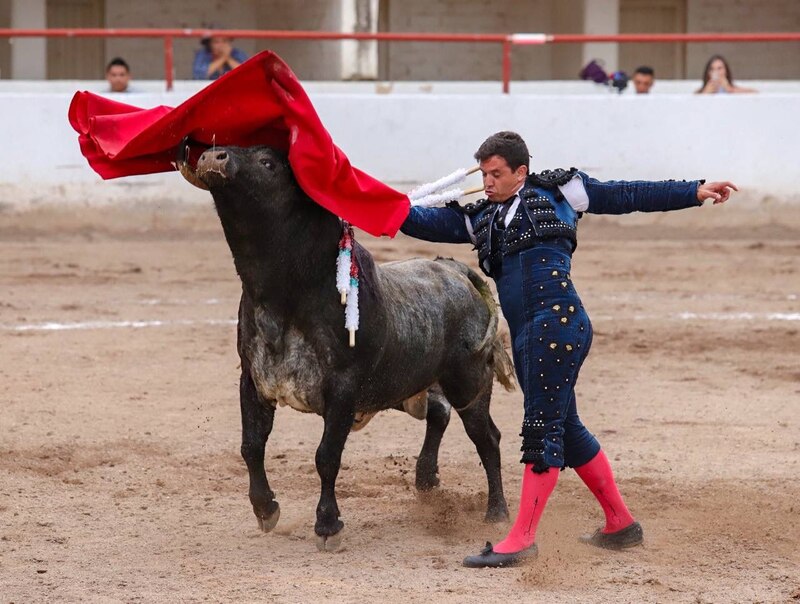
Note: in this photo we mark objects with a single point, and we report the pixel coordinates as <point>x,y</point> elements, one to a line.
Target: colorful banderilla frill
<point>351,314</point>
<point>347,280</point>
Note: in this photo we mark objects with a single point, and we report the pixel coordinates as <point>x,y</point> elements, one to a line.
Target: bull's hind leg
<point>486,437</point>
<point>257,419</point>
<point>428,461</point>
<point>338,422</point>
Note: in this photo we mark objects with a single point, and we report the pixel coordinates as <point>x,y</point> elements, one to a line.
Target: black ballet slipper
<point>631,536</point>
<point>488,558</point>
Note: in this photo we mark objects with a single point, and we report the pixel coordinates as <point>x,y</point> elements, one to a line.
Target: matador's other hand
<point>718,191</point>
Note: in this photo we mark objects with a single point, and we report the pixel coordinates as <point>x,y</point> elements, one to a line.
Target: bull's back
<point>433,306</point>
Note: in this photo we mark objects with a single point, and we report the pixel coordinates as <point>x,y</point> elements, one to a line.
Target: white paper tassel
<point>351,312</point>
<point>343,273</point>
<point>437,185</point>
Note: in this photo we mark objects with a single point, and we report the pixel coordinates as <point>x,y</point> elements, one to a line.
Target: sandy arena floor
<point>120,475</point>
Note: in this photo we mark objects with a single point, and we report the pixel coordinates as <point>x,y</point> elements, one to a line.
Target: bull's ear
<point>182,163</point>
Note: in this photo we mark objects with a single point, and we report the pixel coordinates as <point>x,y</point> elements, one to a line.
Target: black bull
<point>427,339</point>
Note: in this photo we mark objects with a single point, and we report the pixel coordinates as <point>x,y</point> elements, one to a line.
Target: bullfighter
<point>525,233</point>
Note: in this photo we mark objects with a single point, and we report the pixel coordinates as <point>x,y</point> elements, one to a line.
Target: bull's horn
<point>185,169</point>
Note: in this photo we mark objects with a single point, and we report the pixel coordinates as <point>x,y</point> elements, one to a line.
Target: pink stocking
<point>536,488</point>
<point>599,478</point>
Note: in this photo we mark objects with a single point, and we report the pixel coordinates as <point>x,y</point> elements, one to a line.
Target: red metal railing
<point>506,40</point>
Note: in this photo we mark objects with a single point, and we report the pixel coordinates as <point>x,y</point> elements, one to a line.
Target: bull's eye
<point>266,163</point>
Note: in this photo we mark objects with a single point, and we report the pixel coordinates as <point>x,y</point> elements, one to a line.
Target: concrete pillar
<point>29,55</point>
<point>601,17</point>
<point>359,58</point>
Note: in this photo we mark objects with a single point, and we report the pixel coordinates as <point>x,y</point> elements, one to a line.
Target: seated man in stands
<point>118,75</point>
<point>216,57</point>
<point>643,79</point>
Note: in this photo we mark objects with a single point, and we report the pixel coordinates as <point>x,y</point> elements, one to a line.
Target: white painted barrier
<point>405,139</point>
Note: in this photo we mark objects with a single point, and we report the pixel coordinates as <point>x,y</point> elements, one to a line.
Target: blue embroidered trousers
<point>551,335</point>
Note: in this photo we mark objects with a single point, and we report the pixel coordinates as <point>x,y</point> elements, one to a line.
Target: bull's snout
<point>213,166</point>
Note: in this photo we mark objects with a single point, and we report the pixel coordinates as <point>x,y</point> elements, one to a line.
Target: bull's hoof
<point>426,483</point>
<point>330,543</point>
<point>426,477</point>
<point>268,519</point>
<point>498,513</point>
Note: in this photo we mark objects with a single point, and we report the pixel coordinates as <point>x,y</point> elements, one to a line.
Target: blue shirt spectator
<point>217,57</point>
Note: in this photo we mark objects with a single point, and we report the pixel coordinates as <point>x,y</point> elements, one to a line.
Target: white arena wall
<point>418,132</point>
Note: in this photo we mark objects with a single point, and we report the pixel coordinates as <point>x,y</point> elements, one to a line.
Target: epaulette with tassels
<point>470,209</point>
<point>550,179</point>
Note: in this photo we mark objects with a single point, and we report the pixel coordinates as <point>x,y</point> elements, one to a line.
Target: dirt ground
<point>120,475</point>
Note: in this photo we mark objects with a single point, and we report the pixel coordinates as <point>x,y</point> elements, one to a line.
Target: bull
<point>428,339</point>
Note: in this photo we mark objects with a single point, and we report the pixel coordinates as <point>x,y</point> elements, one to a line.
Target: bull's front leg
<point>257,418</point>
<point>338,422</point>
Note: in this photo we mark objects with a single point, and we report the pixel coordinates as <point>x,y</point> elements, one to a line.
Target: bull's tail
<point>493,341</point>
<point>502,365</point>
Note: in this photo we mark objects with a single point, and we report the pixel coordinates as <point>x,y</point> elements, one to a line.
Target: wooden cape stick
<point>474,190</point>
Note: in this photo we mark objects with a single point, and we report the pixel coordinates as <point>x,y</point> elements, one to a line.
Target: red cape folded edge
<point>261,102</point>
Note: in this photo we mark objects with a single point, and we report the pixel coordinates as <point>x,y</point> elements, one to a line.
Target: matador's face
<point>499,181</point>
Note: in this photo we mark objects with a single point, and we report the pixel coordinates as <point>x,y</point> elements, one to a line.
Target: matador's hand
<point>718,191</point>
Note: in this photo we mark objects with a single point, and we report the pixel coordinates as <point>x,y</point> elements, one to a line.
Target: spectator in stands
<point>643,79</point>
<point>118,75</point>
<point>717,78</point>
<point>216,57</point>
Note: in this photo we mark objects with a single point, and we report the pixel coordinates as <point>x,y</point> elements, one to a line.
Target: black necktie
<point>503,212</point>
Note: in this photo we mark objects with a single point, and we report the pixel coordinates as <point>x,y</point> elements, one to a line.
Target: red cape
<point>260,102</point>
